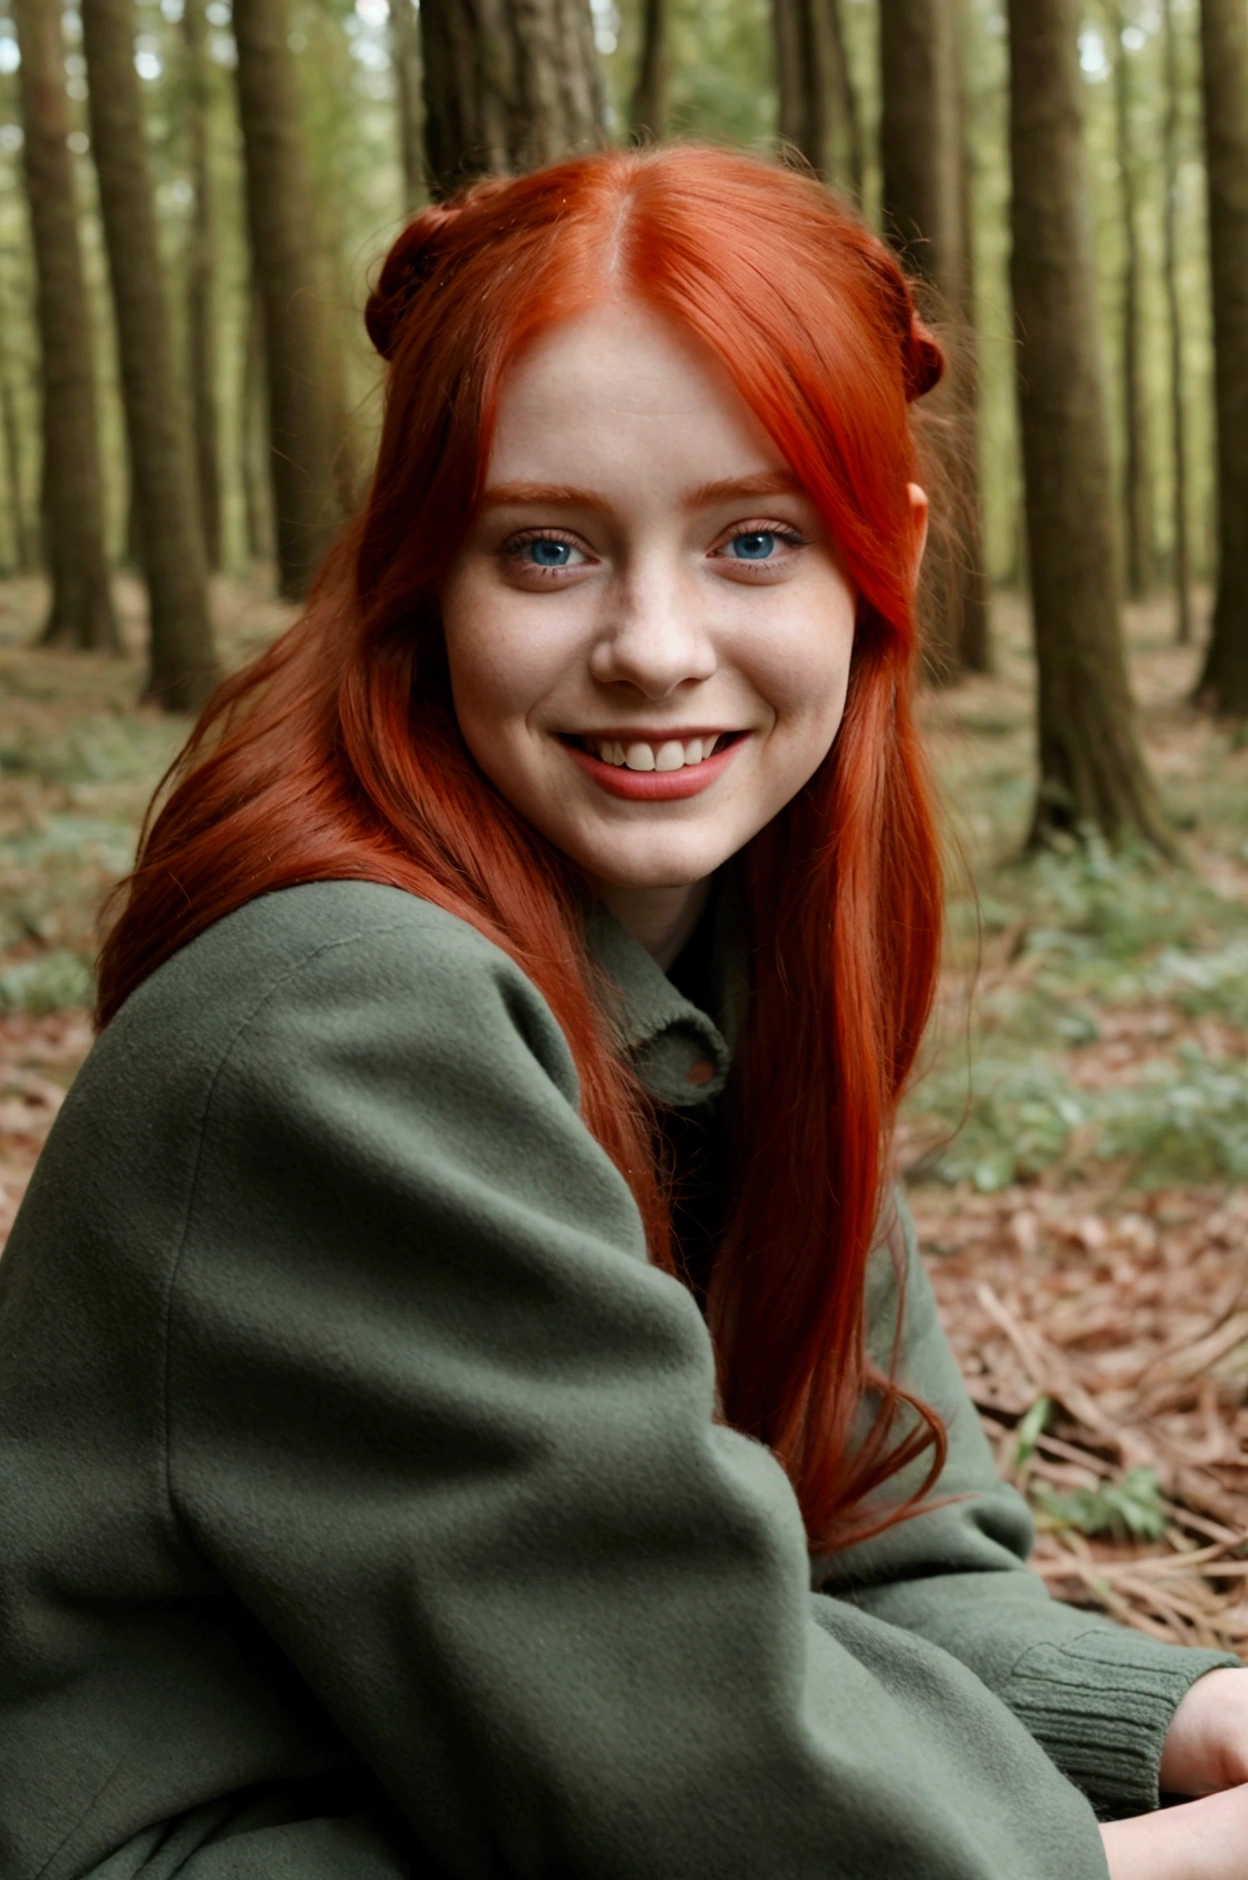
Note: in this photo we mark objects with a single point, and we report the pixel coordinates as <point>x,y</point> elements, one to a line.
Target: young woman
<point>468,1401</point>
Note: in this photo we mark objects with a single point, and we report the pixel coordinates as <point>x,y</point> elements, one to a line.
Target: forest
<point>194,197</point>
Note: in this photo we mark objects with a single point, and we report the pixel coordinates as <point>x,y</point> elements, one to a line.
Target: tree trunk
<point>849,113</point>
<point>974,626</point>
<point>924,192</point>
<point>307,429</point>
<point>253,434</point>
<point>132,552</point>
<point>509,85</point>
<point>1224,59</point>
<point>1178,412</point>
<point>24,553</point>
<point>648,110</point>
<point>81,612</point>
<point>405,52</point>
<point>919,139</point>
<point>201,322</point>
<point>1092,769</point>
<point>1137,488</point>
<point>183,666</point>
<point>801,79</point>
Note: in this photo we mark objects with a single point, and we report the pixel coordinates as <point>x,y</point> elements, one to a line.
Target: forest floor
<point>1076,1153</point>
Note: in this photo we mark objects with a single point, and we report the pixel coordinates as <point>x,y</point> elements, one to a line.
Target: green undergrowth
<point>1130,1510</point>
<point>1098,1015</point>
<point>73,788</point>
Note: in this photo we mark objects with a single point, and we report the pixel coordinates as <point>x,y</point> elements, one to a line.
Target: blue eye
<point>755,546</point>
<point>548,554</point>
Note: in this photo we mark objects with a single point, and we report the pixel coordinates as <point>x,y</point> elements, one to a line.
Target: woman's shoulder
<point>309,987</point>
<point>343,1007</point>
<point>294,955</point>
<point>362,927</point>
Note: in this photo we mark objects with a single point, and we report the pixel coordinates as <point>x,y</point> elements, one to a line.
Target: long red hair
<point>336,753</point>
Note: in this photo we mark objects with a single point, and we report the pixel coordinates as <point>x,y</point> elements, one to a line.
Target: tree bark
<point>1092,769</point>
<point>925,212</point>
<point>307,430</point>
<point>801,79</point>
<point>509,85</point>
<point>918,137</point>
<point>1224,59</point>
<point>132,551</point>
<point>849,105</point>
<point>405,52</point>
<point>1137,484</point>
<point>974,625</point>
<point>200,309</point>
<point>253,434</point>
<point>648,109</point>
<point>24,554</point>
<point>183,667</point>
<point>81,612</point>
<point>1178,412</point>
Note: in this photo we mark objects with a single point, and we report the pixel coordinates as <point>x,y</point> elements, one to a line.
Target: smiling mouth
<point>645,754</point>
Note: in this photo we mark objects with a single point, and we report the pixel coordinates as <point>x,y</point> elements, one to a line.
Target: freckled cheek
<point>804,682</point>
<point>503,669</point>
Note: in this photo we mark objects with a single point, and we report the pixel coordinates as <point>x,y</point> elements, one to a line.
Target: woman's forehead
<point>615,380</point>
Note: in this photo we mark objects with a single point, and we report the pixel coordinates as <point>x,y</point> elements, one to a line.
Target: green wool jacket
<point>362,1508</point>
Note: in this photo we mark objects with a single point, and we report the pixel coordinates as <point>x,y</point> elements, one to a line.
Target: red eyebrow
<point>736,489</point>
<point>705,496</point>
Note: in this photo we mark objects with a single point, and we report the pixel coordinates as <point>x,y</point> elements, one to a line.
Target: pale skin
<point>645,573</point>
<point>623,452</point>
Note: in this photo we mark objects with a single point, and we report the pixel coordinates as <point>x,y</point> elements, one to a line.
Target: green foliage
<point>45,984</point>
<point>1215,982</point>
<point>1180,1119</point>
<point>1130,1510</point>
<point>73,786</point>
<point>1092,934</point>
<point>1030,1429</point>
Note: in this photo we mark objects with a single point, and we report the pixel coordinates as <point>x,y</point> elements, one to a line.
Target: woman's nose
<point>654,635</point>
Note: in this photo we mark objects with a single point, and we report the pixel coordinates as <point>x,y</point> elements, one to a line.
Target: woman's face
<point>648,630</point>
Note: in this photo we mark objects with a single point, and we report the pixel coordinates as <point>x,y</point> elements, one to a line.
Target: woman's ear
<point>919,517</point>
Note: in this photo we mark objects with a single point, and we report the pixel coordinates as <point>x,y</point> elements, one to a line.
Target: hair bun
<point>415,258</point>
<point>923,360</point>
<point>408,266</point>
<point>922,356</point>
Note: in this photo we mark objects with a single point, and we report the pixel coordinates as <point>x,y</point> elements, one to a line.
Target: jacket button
<point>700,1072</point>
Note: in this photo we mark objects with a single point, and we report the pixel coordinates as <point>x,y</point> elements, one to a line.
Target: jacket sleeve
<point>449,1436</point>
<point>1096,1694</point>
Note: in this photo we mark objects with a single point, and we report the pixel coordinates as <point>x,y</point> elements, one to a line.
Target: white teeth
<point>672,754</point>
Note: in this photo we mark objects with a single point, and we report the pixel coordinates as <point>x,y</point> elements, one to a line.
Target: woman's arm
<point>1205,1840</point>
<point>1099,1696</point>
<point>449,1436</point>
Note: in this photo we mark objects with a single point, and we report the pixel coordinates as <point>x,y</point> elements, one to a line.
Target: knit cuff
<point>1101,1703</point>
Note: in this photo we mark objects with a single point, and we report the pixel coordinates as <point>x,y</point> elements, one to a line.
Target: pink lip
<point>654,786</point>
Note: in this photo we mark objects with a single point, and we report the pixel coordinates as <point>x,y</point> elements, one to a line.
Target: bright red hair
<point>336,754</point>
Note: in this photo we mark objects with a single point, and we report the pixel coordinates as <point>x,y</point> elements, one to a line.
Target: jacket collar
<point>681,1053</point>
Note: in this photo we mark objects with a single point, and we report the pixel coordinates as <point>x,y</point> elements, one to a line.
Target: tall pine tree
<point>1092,770</point>
<point>183,666</point>
<point>926,215</point>
<point>307,427</point>
<point>81,612</point>
<point>1224,62</point>
<point>509,84</point>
